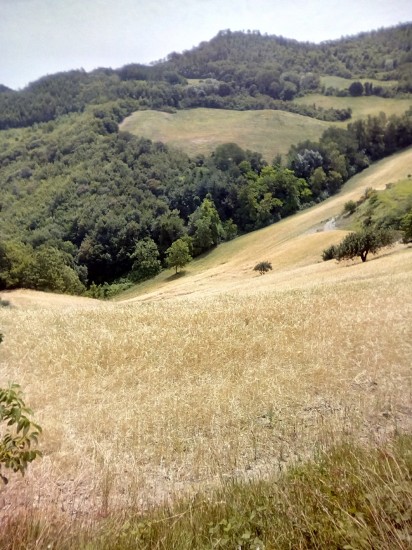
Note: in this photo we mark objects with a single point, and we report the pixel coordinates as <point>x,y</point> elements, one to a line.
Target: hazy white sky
<point>39,37</point>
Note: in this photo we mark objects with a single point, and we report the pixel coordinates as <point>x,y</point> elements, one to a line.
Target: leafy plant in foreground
<point>17,431</point>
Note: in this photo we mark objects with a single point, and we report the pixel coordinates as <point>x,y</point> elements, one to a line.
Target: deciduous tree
<point>178,254</point>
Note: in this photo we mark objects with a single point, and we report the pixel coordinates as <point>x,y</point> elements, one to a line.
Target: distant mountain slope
<point>245,70</point>
<point>246,58</point>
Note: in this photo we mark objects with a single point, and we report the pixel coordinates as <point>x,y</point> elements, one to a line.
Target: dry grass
<point>179,390</point>
<point>157,397</point>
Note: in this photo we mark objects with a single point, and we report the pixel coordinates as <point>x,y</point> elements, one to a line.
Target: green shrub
<point>406,226</point>
<point>349,207</point>
<point>329,253</point>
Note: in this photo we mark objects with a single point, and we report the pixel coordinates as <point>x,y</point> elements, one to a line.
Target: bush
<point>406,226</point>
<point>329,253</point>
<point>349,207</point>
<point>263,267</point>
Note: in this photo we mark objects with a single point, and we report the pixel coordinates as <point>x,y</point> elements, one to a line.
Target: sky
<point>39,37</point>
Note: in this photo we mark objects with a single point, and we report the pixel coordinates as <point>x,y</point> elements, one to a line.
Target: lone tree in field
<point>263,267</point>
<point>178,254</point>
<point>360,244</point>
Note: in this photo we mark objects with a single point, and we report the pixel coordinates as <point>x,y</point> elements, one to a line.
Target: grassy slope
<point>202,130</point>
<point>269,132</point>
<point>217,375</point>
<point>361,106</point>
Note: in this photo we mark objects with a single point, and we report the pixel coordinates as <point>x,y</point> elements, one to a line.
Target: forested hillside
<point>238,71</point>
<point>83,204</point>
<point>282,68</point>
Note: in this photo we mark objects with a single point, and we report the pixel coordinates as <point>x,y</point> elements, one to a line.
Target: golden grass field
<point>217,374</point>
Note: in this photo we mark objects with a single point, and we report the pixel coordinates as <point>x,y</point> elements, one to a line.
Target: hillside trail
<point>293,246</point>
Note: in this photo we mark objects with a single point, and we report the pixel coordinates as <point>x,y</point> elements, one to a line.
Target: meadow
<point>361,106</point>
<point>200,131</point>
<point>218,376</point>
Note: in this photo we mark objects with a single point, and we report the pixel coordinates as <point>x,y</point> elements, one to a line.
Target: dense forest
<point>84,205</point>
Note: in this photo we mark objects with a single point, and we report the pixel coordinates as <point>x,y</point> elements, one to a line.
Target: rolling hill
<point>216,377</point>
<point>191,383</point>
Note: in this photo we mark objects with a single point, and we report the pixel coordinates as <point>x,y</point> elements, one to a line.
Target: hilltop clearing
<point>200,131</point>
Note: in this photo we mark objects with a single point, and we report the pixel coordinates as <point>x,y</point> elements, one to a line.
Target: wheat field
<point>224,375</point>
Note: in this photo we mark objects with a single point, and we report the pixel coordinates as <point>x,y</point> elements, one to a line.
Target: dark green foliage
<point>146,263</point>
<point>340,153</point>
<point>18,433</point>
<point>360,244</point>
<point>43,268</point>
<point>278,68</point>
<point>329,253</point>
<point>406,226</point>
<point>349,207</point>
<point>205,227</point>
<point>106,291</point>
<point>263,267</point>
<point>178,255</point>
<point>356,89</point>
<point>228,155</point>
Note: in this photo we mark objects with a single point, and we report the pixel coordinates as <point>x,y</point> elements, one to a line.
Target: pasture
<point>200,131</point>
